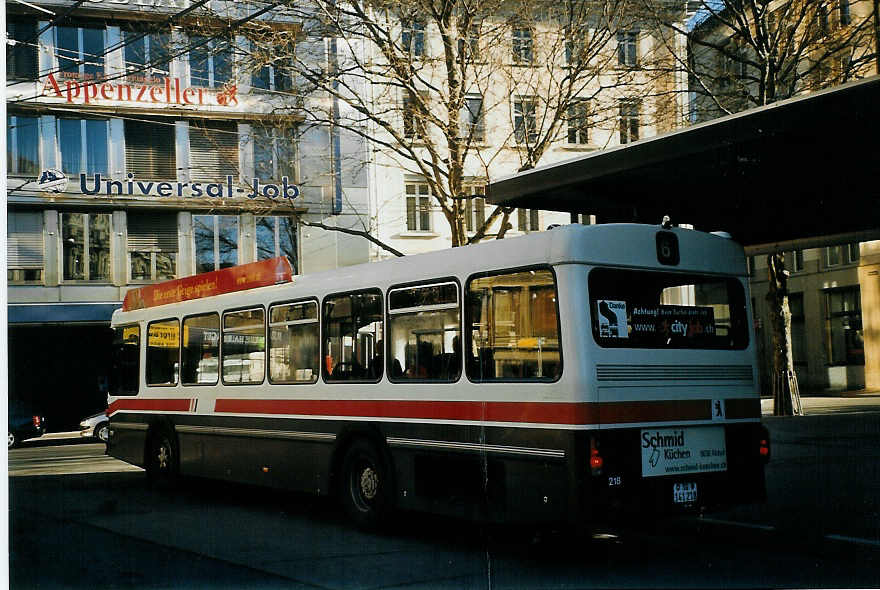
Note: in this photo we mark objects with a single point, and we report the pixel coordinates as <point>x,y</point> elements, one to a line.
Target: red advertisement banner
<point>227,280</point>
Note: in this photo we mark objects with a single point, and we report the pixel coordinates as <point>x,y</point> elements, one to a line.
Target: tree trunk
<point>786,396</point>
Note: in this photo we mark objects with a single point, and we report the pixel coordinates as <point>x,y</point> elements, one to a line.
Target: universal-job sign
<point>132,187</point>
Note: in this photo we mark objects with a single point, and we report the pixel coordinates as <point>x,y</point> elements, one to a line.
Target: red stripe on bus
<point>518,412</point>
<point>161,405</point>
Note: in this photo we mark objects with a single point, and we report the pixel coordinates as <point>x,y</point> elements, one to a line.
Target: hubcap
<point>10,439</point>
<point>369,483</point>
<point>163,457</point>
<point>103,434</point>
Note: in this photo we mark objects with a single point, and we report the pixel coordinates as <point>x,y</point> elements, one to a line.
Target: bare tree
<point>747,53</point>
<point>456,91</point>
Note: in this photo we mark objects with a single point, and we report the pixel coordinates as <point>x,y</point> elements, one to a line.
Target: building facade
<point>833,295</point>
<point>145,142</point>
<point>156,139</point>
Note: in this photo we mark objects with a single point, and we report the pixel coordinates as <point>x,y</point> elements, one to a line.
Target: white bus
<point>559,376</point>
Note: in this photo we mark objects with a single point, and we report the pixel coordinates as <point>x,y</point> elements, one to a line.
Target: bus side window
<point>293,343</point>
<point>244,346</point>
<point>163,352</point>
<point>125,369</point>
<point>201,349</point>
<point>514,327</point>
<point>352,324</point>
<point>425,327</point>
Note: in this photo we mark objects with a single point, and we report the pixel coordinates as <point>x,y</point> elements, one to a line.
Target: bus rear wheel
<point>162,459</point>
<point>366,489</point>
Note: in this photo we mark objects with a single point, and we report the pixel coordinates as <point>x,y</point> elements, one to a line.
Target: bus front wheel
<point>162,459</point>
<point>366,490</point>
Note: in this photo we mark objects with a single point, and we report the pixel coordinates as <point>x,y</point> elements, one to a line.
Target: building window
<point>210,64</point>
<point>274,153</point>
<point>201,349</point>
<point>475,208</point>
<point>842,254</point>
<point>794,261</point>
<point>514,327</point>
<point>522,45</point>
<point>294,345</point>
<point>844,340</point>
<point>216,241</point>
<point>413,121</point>
<point>418,207</point>
<point>821,21</point>
<point>147,55</point>
<point>21,56</point>
<point>24,247</point>
<point>243,354</point>
<point>424,326</point>
<point>274,77</point>
<point>471,119</point>
<point>798,328</point>
<point>150,152</point>
<point>85,239</point>
<point>163,352</point>
<point>83,145</point>
<point>22,145</point>
<point>628,49</point>
<point>152,246</point>
<point>525,127</point>
<point>575,47</point>
<point>276,236</point>
<point>844,17</point>
<point>353,336</point>
<point>80,52</point>
<point>469,48</point>
<point>412,37</point>
<point>579,122</point>
<point>629,121</point>
<point>527,220</point>
<point>213,150</point>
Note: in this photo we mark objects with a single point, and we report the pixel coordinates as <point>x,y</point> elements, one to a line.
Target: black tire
<point>12,440</point>
<point>102,432</point>
<point>162,459</point>
<point>366,488</point>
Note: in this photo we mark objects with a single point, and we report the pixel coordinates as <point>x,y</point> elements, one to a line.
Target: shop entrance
<point>61,371</point>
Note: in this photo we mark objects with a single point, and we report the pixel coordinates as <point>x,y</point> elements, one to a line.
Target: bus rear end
<point>675,381</point>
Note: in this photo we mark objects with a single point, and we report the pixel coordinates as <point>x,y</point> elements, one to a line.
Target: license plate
<point>684,493</point>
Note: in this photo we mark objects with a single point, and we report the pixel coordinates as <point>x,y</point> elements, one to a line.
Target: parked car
<point>24,423</point>
<point>97,426</point>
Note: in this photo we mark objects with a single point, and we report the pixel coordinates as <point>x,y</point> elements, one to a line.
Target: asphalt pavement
<point>823,478</point>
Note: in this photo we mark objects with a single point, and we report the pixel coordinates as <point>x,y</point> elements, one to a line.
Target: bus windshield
<point>644,309</point>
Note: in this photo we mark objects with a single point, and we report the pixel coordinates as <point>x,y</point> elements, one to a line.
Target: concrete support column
<point>51,248</point>
<point>181,141</point>
<point>869,282</point>
<point>186,258</point>
<point>247,243</point>
<point>119,249</point>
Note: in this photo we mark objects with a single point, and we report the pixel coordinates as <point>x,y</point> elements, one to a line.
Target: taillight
<point>596,460</point>
<point>764,445</point>
<point>36,421</point>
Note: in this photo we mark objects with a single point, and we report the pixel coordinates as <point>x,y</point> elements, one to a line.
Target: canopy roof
<point>792,170</point>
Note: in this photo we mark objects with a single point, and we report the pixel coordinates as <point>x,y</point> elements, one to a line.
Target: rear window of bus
<point>646,309</point>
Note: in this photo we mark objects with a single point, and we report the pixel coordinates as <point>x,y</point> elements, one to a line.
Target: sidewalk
<point>832,403</point>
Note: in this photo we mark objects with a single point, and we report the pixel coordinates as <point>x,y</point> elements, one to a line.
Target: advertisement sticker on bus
<point>683,450</point>
<point>612,318</point>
